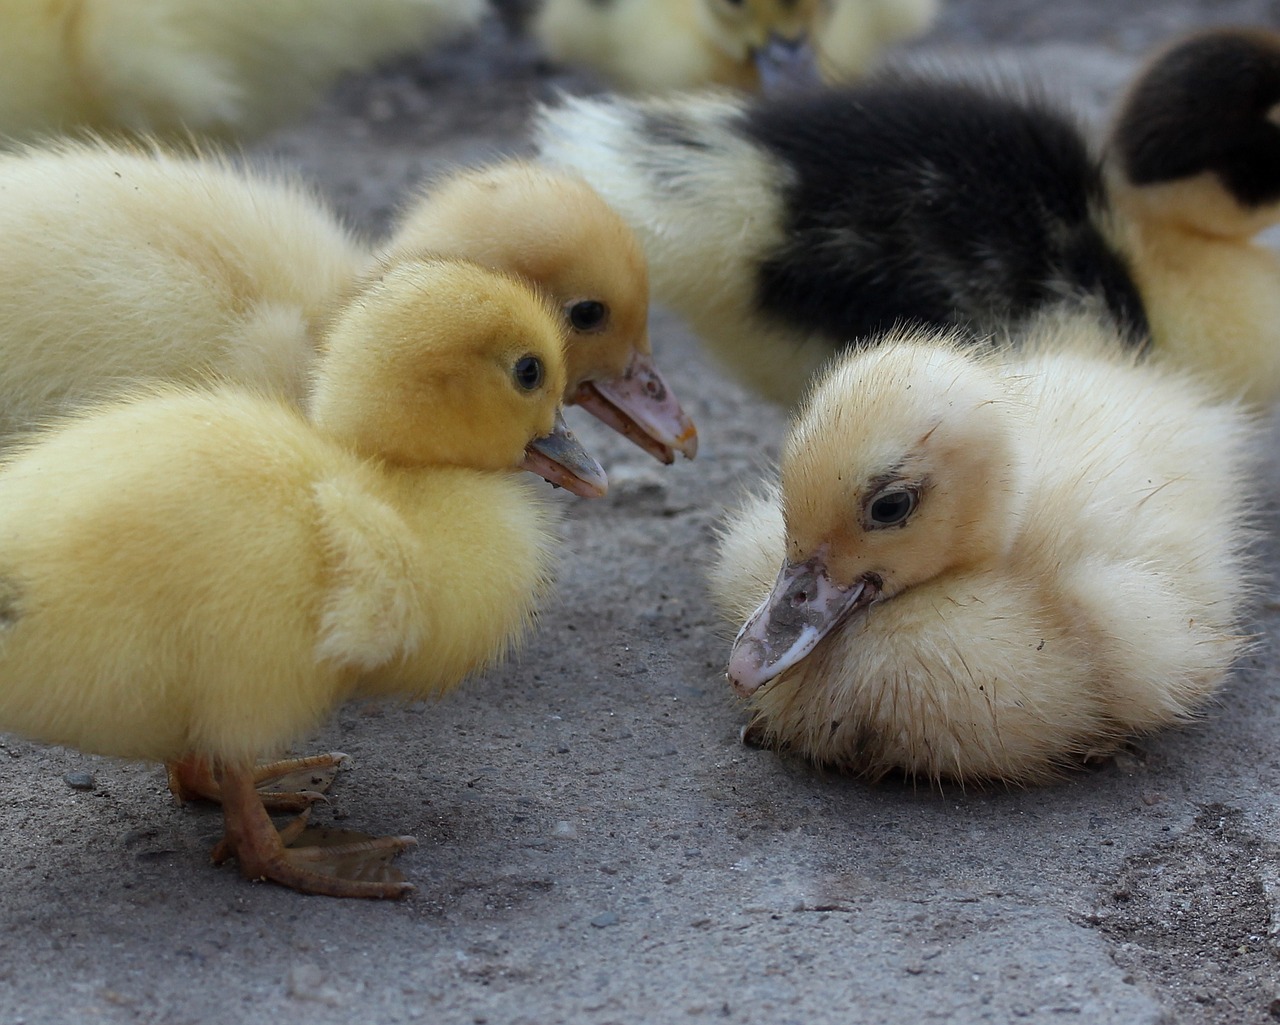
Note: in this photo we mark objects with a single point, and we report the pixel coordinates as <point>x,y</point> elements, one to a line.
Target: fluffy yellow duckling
<point>203,574</point>
<point>785,228</point>
<point>992,562</point>
<point>210,67</point>
<point>127,265</point>
<point>664,45</point>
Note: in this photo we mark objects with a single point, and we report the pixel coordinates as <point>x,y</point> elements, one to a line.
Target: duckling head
<point>901,466</point>
<point>441,362</point>
<point>775,35</point>
<point>1198,135</point>
<point>552,229</point>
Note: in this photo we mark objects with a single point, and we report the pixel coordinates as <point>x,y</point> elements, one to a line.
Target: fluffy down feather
<point>993,563</point>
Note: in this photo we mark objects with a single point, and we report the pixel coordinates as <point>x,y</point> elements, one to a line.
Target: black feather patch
<point>1209,104</point>
<point>934,203</point>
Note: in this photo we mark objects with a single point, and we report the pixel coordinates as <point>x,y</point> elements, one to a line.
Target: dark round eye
<point>588,315</point>
<point>528,372</point>
<point>891,507</point>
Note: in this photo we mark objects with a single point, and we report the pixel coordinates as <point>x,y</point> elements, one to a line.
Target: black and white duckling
<point>992,561</point>
<point>199,576</point>
<point>786,228</point>
<point>126,264</point>
<point>226,68</point>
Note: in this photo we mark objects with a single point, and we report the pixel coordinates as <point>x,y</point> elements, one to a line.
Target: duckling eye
<point>588,315</point>
<point>890,508</point>
<point>528,372</point>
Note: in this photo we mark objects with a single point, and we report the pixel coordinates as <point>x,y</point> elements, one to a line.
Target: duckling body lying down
<point>130,265</point>
<point>786,228</point>
<point>229,68</point>
<point>993,562</point>
<point>205,574</point>
<point>653,46</point>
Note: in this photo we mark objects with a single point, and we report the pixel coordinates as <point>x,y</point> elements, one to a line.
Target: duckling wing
<point>373,609</point>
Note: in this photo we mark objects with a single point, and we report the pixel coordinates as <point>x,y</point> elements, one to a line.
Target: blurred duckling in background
<point>127,265</point>
<point>785,229</point>
<point>654,46</point>
<point>225,68</point>
<point>992,562</point>
<point>852,39</point>
<point>203,574</point>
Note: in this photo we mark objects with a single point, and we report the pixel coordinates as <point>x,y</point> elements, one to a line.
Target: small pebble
<point>79,780</point>
<point>603,921</point>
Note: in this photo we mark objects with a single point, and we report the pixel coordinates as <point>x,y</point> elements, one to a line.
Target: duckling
<point>993,561</point>
<point>1193,175</point>
<point>204,573</point>
<point>665,45</point>
<point>786,228</point>
<point>226,68</point>
<point>654,46</point>
<point>551,228</point>
<point>128,264</point>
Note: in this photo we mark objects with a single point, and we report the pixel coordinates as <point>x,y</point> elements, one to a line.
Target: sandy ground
<point>595,844</point>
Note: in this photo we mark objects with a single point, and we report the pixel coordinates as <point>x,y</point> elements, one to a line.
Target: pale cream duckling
<point>227,68</point>
<point>203,574</point>
<point>127,265</point>
<point>992,562</point>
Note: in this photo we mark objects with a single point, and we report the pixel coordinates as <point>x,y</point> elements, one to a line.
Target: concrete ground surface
<point>595,845</point>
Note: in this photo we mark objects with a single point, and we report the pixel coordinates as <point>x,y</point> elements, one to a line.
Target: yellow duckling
<point>553,229</point>
<point>1193,174</point>
<point>992,562</point>
<point>129,265</point>
<point>786,228</point>
<point>228,68</point>
<point>656,46</point>
<point>664,45</point>
<point>203,574</point>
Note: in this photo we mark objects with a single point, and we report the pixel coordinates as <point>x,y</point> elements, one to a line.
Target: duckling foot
<point>333,865</point>
<point>292,784</point>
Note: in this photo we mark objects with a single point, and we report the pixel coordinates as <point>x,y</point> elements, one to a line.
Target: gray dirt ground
<point>595,844</point>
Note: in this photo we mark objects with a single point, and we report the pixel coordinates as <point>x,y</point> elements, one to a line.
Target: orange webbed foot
<point>334,863</point>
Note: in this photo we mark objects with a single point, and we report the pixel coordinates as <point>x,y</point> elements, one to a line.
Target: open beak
<point>639,406</point>
<point>785,65</point>
<point>561,459</point>
<point>804,606</point>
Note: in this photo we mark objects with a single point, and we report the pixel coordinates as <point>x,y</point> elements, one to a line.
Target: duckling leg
<point>343,870</point>
<point>192,779</point>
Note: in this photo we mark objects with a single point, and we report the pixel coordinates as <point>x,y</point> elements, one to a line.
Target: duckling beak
<point>561,459</point>
<point>786,64</point>
<point>640,406</point>
<point>804,606</point>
